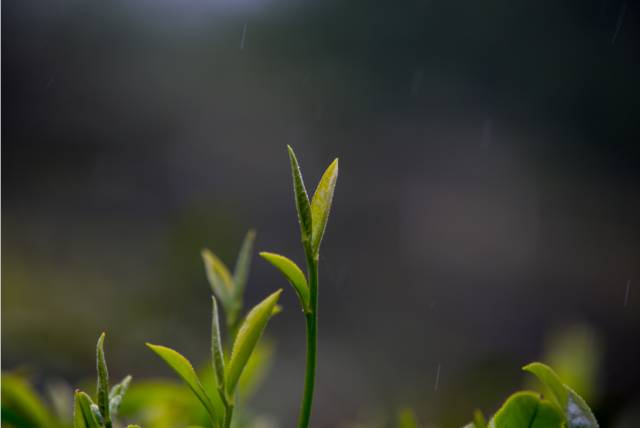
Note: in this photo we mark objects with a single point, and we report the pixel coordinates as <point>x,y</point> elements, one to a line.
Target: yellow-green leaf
<point>83,416</point>
<point>302,200</point>
<point>216,345</point>
<point>526,409</point>
<point>321,204</point>
<point>247,338</point>
<point>185,370</point>
<point>103,380</point>
<point>243,263</point>
<point>219,277</point>
<point>293,274</point>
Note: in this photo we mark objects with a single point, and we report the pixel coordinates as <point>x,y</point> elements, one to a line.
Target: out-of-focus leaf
<point>321,204</point>
<point>216,344</point>
<point>575,409</point>
<point>478,420</point>
<point>185,370</point>
<point>219,278</point>
<point>83,416</point>
<point>243,264</point>
<point>256,369</point>
<point>293,274</point>
<point>526,409</point>
<point>117,394</point>
<point>302,201</point>
<point>20,400</point>
<point>103,380</point>
<point>247,337</point>
<point>407,418</point>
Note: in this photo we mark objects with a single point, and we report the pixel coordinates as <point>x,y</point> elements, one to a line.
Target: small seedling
<point>86,413</point>
<point>229,289</point>
<point>312,216</point>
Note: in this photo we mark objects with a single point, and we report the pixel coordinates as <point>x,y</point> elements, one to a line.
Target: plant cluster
<point>237,354</point>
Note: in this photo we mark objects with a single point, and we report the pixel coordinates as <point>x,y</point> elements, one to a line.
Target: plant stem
<point>228,414</point>
<point>312,343</point>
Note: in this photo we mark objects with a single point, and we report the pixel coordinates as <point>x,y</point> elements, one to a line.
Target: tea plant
<point>244,337</point>
<point>86,413</point>
<point>563,409</point>
<point>312,217</point>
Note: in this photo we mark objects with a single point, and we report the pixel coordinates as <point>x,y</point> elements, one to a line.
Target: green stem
<point>312,344</point>
<point>228,414</point>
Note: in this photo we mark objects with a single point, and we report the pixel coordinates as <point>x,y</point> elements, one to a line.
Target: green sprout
<point>312,217</point>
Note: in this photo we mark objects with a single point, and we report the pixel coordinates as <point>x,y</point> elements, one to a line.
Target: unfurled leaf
<point>302,201</point>
<point>117,394</point>
<point>293,274</point>
<point>83,416</point>
<point>103,380</point>
<point>219,277</point>
<point>20,400</point>
<point>243,264</point>
<point>247,338</point>
<point>185,370</point>
<point>216,345</point>
<point>526,409</point>
<point>576,411</point>
<point>321,204</point>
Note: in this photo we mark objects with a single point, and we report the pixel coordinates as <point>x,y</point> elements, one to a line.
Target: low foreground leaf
<point>185,370</point>
<point>526,409</point>
<point>576,411</point>
<point>293,274</point>
<point>247,338</point>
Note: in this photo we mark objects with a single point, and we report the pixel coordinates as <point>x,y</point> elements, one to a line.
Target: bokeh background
<point>488,199</point>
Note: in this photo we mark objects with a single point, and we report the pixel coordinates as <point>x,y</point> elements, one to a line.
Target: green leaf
<point>117,394</point>
<point>302,201</point>
<point>20,398</point>
<point>103,380</point>
<point>219,278</point>
<point>133,426</point>
<point>83,416</point>
<point>478,420</point>
<point>256,369</point>
<point>185,370</point>
<point>321,204</point>
<point>248,337</point>
<point>526,409</point>
<point>243,264</point>
<point>293,274</point>
<point>575,409</point>
<point>216,345</point>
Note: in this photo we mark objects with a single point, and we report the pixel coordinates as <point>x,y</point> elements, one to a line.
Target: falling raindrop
<point>623,10</point>
<point>436,384</point>
<point>244,36</point>
<point>626,293</point>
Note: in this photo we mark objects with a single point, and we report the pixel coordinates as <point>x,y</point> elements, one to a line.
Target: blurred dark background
<point>489,190</point>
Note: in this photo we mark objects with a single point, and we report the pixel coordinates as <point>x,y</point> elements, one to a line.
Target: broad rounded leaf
<point>248,337</point>
<point>302,200</point>
<point>293,274</point>
<point>103,380</point>
<point>575,409</point>
<point>185,370</point>
<point>526,409</point>
<point>321,204</point>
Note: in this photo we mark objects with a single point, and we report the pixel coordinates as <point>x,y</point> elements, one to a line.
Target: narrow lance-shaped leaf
<point>526,409</point>
<point>219,277</point>
<point>575,409</point>
<point>103,380</point>
<point>302,201</point>
<point>243,263</point>
<point>117,394</point>
<point>321,204</point>
<point>293,274</point>
<point>216,345</point>
<point>248,337</point>
<point>83,416</point>
<point>185,370</point>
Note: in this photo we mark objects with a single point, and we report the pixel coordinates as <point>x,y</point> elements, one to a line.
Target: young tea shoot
<point>312,217</point>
